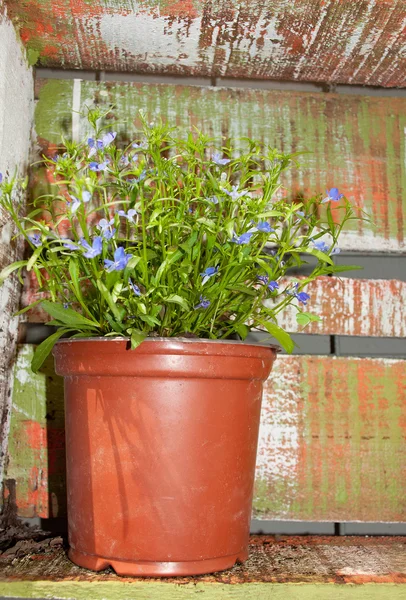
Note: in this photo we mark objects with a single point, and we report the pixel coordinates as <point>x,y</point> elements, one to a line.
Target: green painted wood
<point>356,143</point>
<point>332,442</point>
<point>346,42</point>
<point>202,591</point>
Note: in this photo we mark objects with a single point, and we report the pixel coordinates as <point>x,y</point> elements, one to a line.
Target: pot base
<point>156,569</point>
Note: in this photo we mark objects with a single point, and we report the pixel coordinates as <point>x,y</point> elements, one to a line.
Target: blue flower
<point>333,195</point>
<point>97,167</point>
<point>234,193</point>
<point>204,303</point>
<point>35,239</point>
<point>335,250</point>
<point>213,199</point>
<point>264,226</point>
<point>216,158</point>
<point>101,144</point>
<point>95,249</point>
<point>1,177</point>
<point>263,279</point>
<point>245,238</point>
<point>301,296</point>
<point>74,205</point>
<point>320,245</point>
<point>106,228</point>
<point>141,145</point>
<point>134,287</point>
<point>207,273</point>
<point>120,260</point>
<point>300,213</point>
<point>66,304</point>
<point>69,245</point>
<point>86,196</point>
<point>128,215</point>
<point>273,285</point>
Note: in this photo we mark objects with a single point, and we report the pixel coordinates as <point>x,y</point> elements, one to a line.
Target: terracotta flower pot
<point>161,447</point>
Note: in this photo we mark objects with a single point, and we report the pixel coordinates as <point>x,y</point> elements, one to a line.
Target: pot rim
<point>169,340</point>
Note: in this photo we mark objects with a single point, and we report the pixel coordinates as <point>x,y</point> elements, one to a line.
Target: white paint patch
<point>369,242</point>
<point>279,430</point>
<point>76,108</point>
<point>162,41</point>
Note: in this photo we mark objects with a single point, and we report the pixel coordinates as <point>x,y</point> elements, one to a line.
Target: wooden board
<point>336,42</point>
<point>355,143</point>
<point>332,440</point>
<point>362,307</point>
<point>282,568</point>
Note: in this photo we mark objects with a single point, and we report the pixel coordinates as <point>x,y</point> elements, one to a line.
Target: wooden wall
<point>333,430</point>
<point>335,41</point>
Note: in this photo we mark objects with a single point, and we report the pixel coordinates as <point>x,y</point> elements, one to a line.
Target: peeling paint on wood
<point>362,307</point>
<point>354,143</point>
<point>37,439</point>
<point>16,114</point>
<point>293,568</point>
<point>332,440</point>
<point>347,42</point>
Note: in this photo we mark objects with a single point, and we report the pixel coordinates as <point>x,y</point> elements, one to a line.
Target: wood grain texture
<point>336,42</point>
<point>332,440</point>
<point>355,143</point>
<point>286,568</point>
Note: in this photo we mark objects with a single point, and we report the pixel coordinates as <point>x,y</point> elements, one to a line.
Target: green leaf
<point>279,334</point>
<point>68,316</point>
<point>167,263</point>
<point>10,268</point>
<point>150,320</point>
<point>341,268</point>
<point>117,327</point>
<point>110,302</point>
<point>304,318</point>
<point>317,253</point>
<point>242,330</point>
<point>44,349</point>
<point>26,308</point>
<point>241,290</point>
<point>178,300</point>
<point>137,337</point>
<point>33,258</point>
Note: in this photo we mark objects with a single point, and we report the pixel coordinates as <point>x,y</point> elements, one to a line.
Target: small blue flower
<point>95,249</point>
<point>74,205</point>
<point>204,303</point>
<point>69,245</point>
<point>300,213</point>
<point>106,228</point>
<point>134,287</point>
<point>264,226</point>
<point>302,297</point>
<point>322,246</point>
<point>335,250</point>
<point>1,177</point>
<point>101,144</point>
<point>273,285</point>
<point>141,145</point>
<point>207,273</point>
<point>97,167</point>
<point>128,215</point>
<point>216,158</point>
<point>263,279</point>
<point>86,196</point>
<point>234,193</point>
<point>244,238</point>
<point>35,239</point>
<point>120,260</point>
<point>333,195</point>
<point>90,142</point>
<point>66,304</point>
<point>213,199</point>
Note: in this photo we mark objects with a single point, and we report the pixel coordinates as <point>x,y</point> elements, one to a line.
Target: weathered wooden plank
<point>355,143</point>
<point>346,42</point>
<point>362,307</point>
<point>16,114</point>
<point>292,568</point>
<point>332,440</point>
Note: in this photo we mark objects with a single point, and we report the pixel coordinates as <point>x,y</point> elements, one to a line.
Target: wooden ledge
<point>333,567</point>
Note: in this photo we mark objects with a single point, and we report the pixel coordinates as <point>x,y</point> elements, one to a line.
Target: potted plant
<point>157,259</point>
